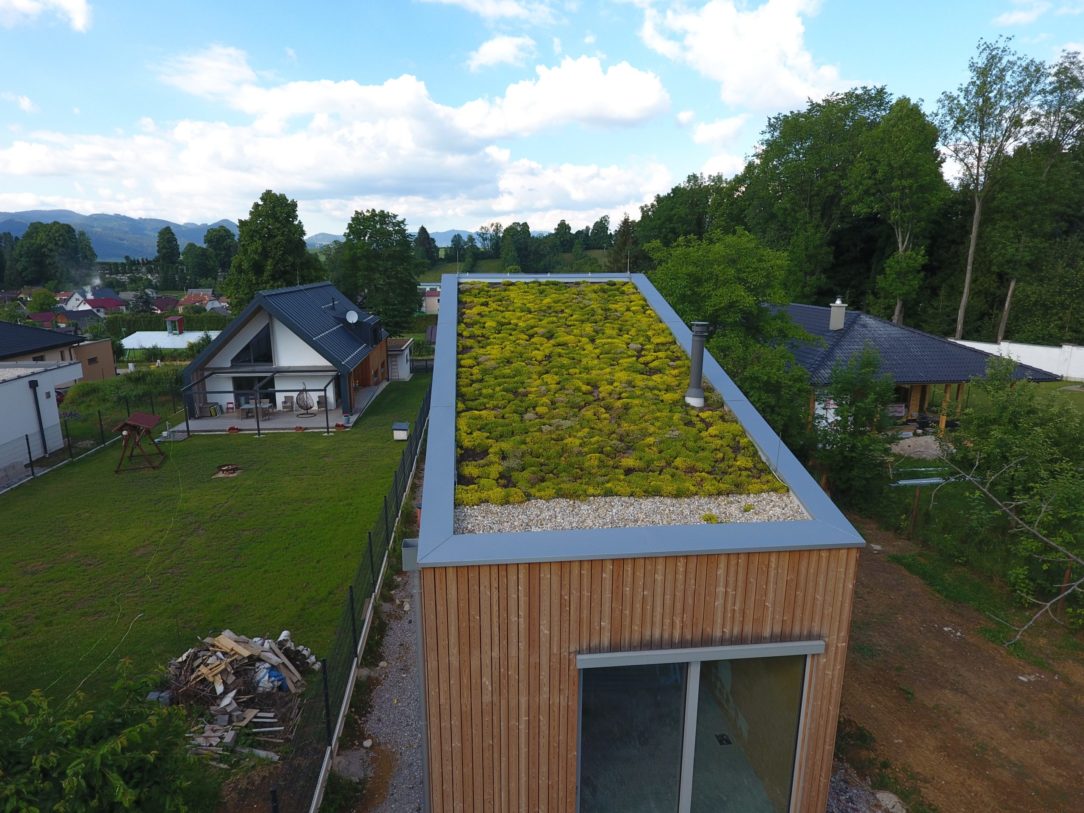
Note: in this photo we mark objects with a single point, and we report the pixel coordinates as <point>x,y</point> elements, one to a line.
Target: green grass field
<point>95,567</point>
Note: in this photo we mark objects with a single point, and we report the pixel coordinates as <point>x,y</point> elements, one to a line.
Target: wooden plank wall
<point>500,644</point>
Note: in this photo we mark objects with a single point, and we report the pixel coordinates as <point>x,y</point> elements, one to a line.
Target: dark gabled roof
<point>317,314</point>
<point>82,317</point>
<point>18,340</point>
<point>910,356</point>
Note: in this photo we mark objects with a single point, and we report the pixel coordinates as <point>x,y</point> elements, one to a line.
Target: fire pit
<point>227,470</point>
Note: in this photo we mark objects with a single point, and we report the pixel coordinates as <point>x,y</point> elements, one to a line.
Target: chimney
<point>694,396</point>
<point>839,312</point>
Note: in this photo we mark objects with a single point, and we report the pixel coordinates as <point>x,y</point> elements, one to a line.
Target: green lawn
<point>95,567</point>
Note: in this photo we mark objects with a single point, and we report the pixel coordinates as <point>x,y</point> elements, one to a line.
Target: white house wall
<point>1066,361</point>
<point>289,350</point>
<point>20,420</point>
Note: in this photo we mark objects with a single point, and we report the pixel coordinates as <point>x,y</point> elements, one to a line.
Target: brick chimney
<point>838,316</point>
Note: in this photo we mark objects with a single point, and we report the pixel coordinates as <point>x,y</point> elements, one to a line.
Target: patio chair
<point>288,403</point>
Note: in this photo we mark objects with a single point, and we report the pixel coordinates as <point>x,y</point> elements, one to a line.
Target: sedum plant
<point>576,390</point>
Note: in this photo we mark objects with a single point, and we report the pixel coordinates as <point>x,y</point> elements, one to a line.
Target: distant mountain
<point>113,236</point>
<point>444,238</point>
<point>321,239</point>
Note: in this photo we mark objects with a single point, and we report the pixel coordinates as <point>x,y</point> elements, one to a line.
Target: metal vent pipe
<point>694,396</point>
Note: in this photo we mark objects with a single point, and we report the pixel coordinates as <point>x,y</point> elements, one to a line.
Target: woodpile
<point>250,687</point>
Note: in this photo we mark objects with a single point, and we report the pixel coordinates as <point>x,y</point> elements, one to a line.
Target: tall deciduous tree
<point>47,252</point>
<point>169,251</point>
<point>980,125</point>
<point>425,247</point>
<point>271,250</point>
<point>381,268</point>
<point>223,245</point>
<point>897,177</point>
<point>626,255</point>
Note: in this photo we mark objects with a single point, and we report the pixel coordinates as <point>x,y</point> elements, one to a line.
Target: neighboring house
<point>23,343</point>
<point>308,336</point>
<point>74,300</point>
<point>165,304</point>
<point>79,320</point>
<point>586,654</point>
<point>46,319</point>
<point>431,301</point>
<point>399,359</point>
<point>173,337</point>
<point>1066,361</point>
<point>191,300</point>
<point>916,361</point>
<point>103,306</point>
<point>28,404</point>
<point>9,296</point>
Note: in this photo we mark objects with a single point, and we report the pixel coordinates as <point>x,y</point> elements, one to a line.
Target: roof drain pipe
<point>694,396</point>
<point>37,409</point>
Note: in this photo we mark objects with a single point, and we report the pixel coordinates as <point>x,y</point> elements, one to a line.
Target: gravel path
<point>626,512</point>
<point>395,722</point>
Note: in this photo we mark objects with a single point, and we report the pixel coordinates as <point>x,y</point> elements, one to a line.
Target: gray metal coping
<point>440,546</point>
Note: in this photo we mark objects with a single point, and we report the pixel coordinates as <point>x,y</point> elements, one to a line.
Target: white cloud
<point>16,12</point>
<point>22,102</point>
<point>726,164</point>
<point>1024,13</point>
<point>534,11</point>
<point>758,55</point>
<point>720,131</point>
<point>589,39</point>
<point>501,50</point>
<point>322,141</point>
<point>290,53</point>
<point>557,46</point>
<point>576,90</point>
<point>686,117</point>
<point>217,71</point>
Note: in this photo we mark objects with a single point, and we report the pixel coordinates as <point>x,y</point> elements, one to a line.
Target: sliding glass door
<point>691,731</point>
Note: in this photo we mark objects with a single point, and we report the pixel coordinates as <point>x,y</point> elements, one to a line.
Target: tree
<point>223,245</point>
<point>458,244</point>
<point>1018,447</point>
<point>792,196</point>
<point>47,252</point>
<point>981,123</point>
<point>563,235</point>
<point>489,238</point>
<point>626,254</point>
<point>897,177</point>
<point>41,301</point>
<point>681,212</point>
<point>142,303</point>
<point>425,247</point>
<point>200,265</point>
<point>271,250</point>
<point>852,447</point>
<point>117,753</point>
<point>169,252</point>
<point>470,254</point>
<point>509,252</point>
<point>729,281</point>
<point>599,236</point>
<point>382,269</point>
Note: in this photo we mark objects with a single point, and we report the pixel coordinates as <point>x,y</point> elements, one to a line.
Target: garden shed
<point>633,596</point>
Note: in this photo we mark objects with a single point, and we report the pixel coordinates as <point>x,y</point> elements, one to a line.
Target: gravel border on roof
<point>625,512</point>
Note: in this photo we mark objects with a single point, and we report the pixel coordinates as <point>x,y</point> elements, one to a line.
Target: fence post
<point>372,564</point>
<point>150,400</point>
<point>274,800</point>
<point>101,428</point>
<point>256,404</point>
<point>354,619</point>
<point>127,406</point>
<point>327,703</point>
<point>172,402</point>
<point>68,438</point>
<point>29,455</point>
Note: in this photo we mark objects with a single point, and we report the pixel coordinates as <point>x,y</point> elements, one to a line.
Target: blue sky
<point>451,113</point>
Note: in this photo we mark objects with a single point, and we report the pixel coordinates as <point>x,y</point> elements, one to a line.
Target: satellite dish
<point>352,317</point>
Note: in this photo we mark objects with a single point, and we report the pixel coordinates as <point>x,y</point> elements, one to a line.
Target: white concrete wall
<point>1066,361</point>
<point>20,419</point>
<point>289,350</point>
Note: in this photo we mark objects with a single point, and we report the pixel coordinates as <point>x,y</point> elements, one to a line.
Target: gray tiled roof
<point>910,356</point>
<point>18,340</point>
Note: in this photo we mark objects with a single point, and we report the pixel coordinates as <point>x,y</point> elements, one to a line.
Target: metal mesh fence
<point>303,773</point>
<point>78,433</point>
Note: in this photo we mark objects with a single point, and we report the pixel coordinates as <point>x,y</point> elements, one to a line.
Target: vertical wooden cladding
<point>501,641</point>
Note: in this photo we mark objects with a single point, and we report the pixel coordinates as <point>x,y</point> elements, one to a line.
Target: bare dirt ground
<point>974,728</point>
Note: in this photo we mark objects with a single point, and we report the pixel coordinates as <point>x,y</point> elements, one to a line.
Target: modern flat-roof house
<point>30,415</point>
<point>304,337</point>
<point>633,596</point>
<point>917,361</point>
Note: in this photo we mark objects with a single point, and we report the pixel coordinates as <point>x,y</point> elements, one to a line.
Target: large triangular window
<point>257,351</point>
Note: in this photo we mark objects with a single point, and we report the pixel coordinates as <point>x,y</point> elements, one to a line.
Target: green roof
<point>576,390</point>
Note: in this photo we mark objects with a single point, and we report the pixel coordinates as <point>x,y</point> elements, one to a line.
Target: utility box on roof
<point>627,602</point>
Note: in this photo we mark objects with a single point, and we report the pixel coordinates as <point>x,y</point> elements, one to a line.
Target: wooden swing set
<point>136,428</point>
